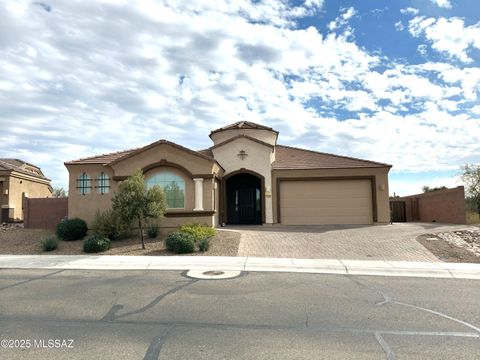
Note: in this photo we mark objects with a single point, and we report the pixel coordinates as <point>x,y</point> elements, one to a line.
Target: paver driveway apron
<point>395,242</point>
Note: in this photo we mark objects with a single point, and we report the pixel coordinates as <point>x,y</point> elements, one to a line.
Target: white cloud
<point>449,36</point>
<point>349,13</point>
<point>442,3</point>
<point>110,76</point>
<point>399,26</point>
<point>475,109</point>
<point>422,49</point>
<point>410,11</point>
<point>412,187</point>
<point>342,20</point>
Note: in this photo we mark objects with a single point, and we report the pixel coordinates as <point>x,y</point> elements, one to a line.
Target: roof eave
<point>160,142</point>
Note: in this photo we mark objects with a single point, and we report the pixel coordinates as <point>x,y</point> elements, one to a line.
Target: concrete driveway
<point>395,242</point>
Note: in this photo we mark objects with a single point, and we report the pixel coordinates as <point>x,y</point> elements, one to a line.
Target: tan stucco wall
<point>85,206</point>
<point>267,136</point>
<point>18,184</point>
<point>216,218</point>
<point>167,224</point>
<point>381,179</point>
<point>258,160</point>
<point>195,164</point>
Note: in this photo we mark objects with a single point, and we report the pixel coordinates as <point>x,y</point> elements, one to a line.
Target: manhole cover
<point>213,274</point>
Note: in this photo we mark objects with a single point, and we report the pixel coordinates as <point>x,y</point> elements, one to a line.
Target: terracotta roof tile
<point>243,125</point>
<point>101,159</point>
<point>112,157</point>
<point>287,157</point>
<point>22,167</point>
<point>207,152</point>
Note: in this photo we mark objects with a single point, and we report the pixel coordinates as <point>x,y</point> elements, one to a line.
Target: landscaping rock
<point>467,239</point>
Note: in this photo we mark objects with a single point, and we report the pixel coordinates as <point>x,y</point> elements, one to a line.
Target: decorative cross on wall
<point>242,154</point>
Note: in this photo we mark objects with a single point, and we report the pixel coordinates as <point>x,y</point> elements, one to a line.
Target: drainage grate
<point>213,274</point>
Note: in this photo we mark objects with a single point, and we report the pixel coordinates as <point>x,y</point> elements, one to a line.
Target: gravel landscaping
<point>19,241</point>
<point>455,246</point>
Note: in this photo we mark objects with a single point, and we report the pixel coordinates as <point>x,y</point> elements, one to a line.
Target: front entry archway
<point>244,199</point>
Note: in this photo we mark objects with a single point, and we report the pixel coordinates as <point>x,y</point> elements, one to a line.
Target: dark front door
<point>244,205</point>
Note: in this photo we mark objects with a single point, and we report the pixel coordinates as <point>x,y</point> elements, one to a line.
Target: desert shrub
<point>96,243</point>
<point>180,243</point>
<point>71,229</point>
<point>204,244</point>
<point>152,231</point>
<point>198,231</point>
<point>472,218</point>
<point>108,224</point>
<point>49,243</point>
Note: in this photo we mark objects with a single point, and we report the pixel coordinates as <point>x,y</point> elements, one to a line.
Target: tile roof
<point>207,152</point>
<point>243,125</point>
<point>102,159</point>
<point>162,141</point>
<point>287,157</point>
<point>110,158</point>
<point>22,167</point>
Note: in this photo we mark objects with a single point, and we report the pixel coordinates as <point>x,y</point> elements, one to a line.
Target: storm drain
<point>213,274</point>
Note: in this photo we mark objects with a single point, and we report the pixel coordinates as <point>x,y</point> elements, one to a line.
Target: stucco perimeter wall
<point>444,206</point>
<point>267,136</point>
<point>381,185</point>
<point>18,184</point>
<point>258,160</point>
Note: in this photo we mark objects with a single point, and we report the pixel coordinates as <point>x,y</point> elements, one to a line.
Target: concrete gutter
<point>317,266</point>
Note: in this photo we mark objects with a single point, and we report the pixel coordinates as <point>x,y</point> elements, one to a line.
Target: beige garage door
<point>326,202</point>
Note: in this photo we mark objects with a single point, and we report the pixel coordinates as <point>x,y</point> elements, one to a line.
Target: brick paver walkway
<point>395,242</point>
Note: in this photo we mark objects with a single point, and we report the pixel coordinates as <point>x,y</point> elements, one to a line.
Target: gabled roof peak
<point>243,125</point>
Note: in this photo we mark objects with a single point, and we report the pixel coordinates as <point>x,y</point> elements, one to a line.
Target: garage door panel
<point>326,202</point>
<point>330,203</point>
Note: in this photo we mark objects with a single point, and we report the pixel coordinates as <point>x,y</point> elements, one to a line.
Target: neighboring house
<point>19,179</point>
<point>244,178</point>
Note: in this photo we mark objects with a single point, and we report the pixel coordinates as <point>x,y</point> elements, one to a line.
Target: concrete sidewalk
<point>321,266</point>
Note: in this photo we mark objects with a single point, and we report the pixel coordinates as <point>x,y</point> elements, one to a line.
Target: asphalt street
<point>88,314</point>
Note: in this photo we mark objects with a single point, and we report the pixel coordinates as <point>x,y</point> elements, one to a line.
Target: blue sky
<point>391,81</point>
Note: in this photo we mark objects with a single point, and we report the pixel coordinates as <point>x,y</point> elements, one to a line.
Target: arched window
<point>173,186</point>
<point>84,184</point>
<point>103,183</point>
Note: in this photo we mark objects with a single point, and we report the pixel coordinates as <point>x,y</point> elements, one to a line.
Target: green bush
<point>96,243</point>
<point>180,243</point>
<point>108,224</point>
<point>198,231</point>
<point>152,231</point>
<point>204,244</point>
<point>71,229</point>
<point>50,243</point>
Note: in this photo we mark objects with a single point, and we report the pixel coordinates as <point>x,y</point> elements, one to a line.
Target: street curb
<point>290,265</point>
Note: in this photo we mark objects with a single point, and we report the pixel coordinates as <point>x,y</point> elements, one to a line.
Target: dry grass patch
<point>472,218</point>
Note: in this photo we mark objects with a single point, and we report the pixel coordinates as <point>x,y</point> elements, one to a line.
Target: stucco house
<point>244,178</point>
<point>18,179</point>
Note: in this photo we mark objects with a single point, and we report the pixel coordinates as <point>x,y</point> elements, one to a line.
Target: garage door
<point>326,202</point>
